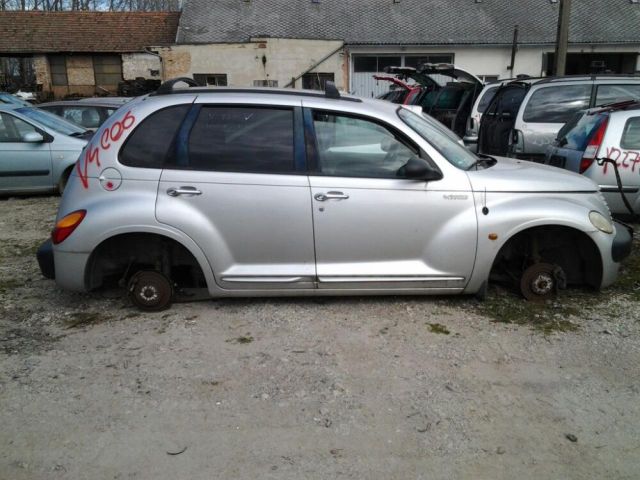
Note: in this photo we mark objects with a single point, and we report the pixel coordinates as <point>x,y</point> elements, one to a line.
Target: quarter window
<point>631,134</point>
<point>355,147</point>
<point>151,143</point>
<point>617,93</point>
<point>557,104</point>
<point>242,139</point>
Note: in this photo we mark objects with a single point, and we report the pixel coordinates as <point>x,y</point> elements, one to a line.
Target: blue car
<point>37,150</point>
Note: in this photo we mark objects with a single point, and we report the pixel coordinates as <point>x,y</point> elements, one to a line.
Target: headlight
<point>600,222</point>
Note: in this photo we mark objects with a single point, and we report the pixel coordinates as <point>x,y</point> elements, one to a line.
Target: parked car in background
<point>480,105</point>
<point>10,99</point>
<point>610,132</point>
<point>399,92</point>
<point>264,192</point>
<point>525,115</point>
<point>89,113</point>
<point>37,150</point>
<point>447,92</point>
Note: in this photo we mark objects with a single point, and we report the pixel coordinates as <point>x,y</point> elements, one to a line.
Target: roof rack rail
<point>167,87</point>
<point>331,91</point>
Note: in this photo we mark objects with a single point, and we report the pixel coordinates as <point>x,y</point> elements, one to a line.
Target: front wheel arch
<point>571,249</point>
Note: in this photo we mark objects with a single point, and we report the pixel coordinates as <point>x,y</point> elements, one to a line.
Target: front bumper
<point>45,260</point>
<point>621,247</point>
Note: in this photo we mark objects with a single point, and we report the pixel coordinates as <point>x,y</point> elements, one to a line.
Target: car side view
<point>217,192</point>
<point>37,150</point>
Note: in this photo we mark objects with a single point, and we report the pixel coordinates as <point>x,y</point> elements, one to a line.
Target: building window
<point>370,63</point>
<point>265,83</point>
<point>489,78</point>
<point>58,65</point>
<point>316,81</point>
<point>415,60</point>
<point>211,79</point>
<point>107,69</point>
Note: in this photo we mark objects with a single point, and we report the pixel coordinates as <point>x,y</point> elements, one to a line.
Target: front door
<point>23,165</point>
<point>240,190</point>
<point>375,228</point>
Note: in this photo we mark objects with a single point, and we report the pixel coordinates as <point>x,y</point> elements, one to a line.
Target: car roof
<point>96,102</point>
<point>331,92</point>
<point>573,78</point>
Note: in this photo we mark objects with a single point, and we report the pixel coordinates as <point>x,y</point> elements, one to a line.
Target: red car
<point>402,94</point>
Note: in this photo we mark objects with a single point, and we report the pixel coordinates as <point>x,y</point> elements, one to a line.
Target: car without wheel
<point>219,192</point>
<point>37,150</point>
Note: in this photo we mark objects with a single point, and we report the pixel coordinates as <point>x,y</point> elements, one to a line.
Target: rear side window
<point>242,139</point>
<point>151,143</point>
<point>578,131</point>
<point>508,101</point>
<point>557,104</point>
<point>485,100</point>
<point>617,93</point>
<point>631,134</point>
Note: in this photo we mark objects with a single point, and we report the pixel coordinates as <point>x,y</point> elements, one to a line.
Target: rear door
<point>376,229</point>
<point>24,165</point>
<point>238,187</point>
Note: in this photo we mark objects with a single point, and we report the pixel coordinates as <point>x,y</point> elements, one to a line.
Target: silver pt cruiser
<point>218,192</point>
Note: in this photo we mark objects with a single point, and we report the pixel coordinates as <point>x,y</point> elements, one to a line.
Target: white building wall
<point>492,61</point>
<point>144,65</point>
<point>260,59</point>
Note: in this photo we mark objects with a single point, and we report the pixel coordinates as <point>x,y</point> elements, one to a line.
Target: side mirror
<point>419,169</point>
<point>32,137</point>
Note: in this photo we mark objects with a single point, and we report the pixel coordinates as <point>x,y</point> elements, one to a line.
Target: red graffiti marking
<point>92,152</point>
<point>624,159</point>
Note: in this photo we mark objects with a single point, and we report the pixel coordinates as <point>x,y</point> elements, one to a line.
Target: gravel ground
<point>363,388</point>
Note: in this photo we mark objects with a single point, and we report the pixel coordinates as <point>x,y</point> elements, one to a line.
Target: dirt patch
<point>388,387</point>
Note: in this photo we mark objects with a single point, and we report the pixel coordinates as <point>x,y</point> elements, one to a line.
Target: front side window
<point>151,143</point>
<point>557,103</point>
<point>242,139</point>
<point>631,134</point>
<point>617,93</point>
<point>355,147</point>
<point>451,150</point>
<point>12,129</point>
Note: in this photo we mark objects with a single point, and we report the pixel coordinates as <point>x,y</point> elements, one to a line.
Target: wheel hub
<point>149,293</point>
<point>542,284</point>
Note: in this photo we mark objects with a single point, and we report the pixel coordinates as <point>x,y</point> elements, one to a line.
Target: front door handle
<point>323,197</point>
<point>177,191</point>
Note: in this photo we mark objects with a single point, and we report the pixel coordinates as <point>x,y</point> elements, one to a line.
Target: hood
<point>510,175</point>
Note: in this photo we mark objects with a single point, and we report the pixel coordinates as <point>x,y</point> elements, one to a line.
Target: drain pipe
<point>294,79</point>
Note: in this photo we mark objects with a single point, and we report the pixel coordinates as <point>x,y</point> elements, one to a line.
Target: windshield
<point>51,121</point>
<point>452,151</point>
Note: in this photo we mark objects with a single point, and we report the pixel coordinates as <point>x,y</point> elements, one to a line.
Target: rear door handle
<point>323,197</point>
<point>177,191</point>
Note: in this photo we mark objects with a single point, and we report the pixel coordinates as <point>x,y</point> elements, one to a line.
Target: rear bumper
<point>622,242</point>
<point>45,260</point>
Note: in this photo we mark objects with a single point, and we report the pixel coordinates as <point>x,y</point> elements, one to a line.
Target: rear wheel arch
<point>568,247</point>
<point>116,258</point>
